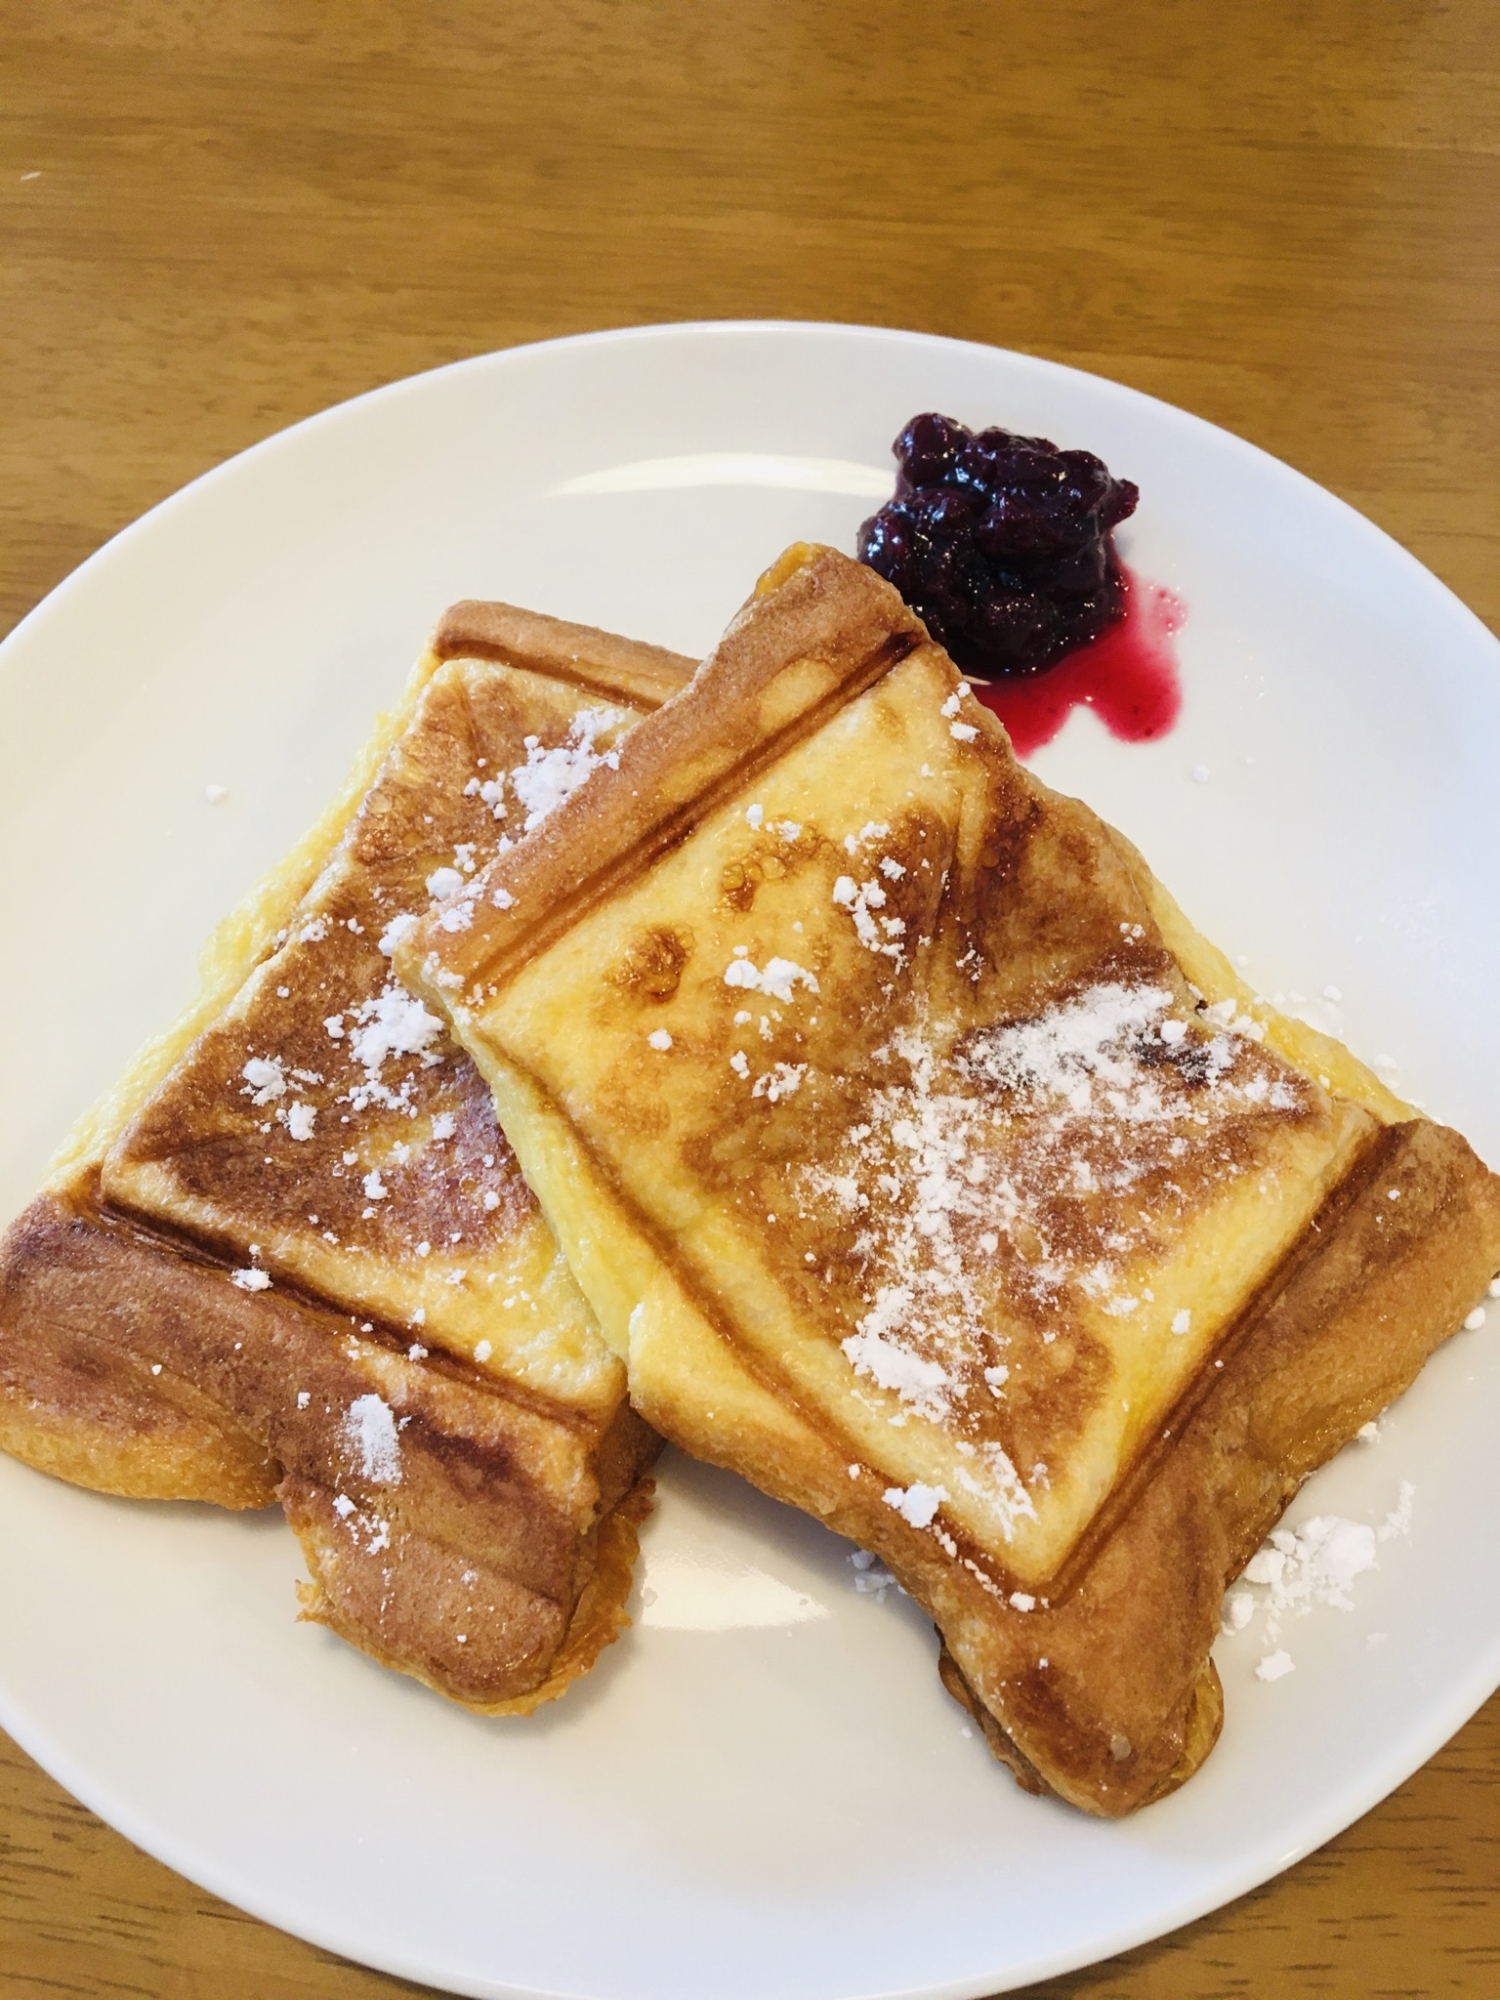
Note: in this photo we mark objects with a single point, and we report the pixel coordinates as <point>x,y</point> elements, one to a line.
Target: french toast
<point>292,1256</point>
<point>929,1169</point>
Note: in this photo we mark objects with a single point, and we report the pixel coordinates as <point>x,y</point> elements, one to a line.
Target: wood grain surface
<point>217,218</point>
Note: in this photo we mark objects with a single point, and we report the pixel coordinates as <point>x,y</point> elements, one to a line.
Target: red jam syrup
<point>1127,676</point>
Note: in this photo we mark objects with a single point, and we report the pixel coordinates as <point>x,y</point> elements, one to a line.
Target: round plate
<point>762,1789</point>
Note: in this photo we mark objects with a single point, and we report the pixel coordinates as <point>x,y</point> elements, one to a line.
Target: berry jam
<point>1000,544</point>
<point>1003,546</point>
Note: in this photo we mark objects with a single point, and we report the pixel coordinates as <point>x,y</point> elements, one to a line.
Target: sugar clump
<point>369,1433</point>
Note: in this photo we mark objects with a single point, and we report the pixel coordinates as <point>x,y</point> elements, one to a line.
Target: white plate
<point>762,1790</point>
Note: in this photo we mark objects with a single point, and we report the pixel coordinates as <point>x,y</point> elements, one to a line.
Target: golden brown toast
<point>931,1171</point>
<point>293,1256</point>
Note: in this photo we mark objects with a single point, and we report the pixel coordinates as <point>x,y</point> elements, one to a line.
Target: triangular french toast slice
<point>931,1171</point>
<point>293,1256</point>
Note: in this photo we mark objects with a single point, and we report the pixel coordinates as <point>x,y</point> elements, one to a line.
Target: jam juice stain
<point>1128,676</point>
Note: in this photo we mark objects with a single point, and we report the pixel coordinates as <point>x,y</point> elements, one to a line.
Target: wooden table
<point>216,218</point>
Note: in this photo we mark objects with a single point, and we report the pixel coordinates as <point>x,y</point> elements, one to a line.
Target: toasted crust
<point>416,1629</point>
<point>581,656</point>
<point>493,1526</point>
<point>82,1398</point>
<point>1078,1601</point>
<point>132,1361</point>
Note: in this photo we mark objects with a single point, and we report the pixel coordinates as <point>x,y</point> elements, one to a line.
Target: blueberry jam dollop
<point>1001,544</point>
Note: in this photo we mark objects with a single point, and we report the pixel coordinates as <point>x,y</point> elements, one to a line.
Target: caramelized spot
<point>652,967</point>
<point>738,883</point>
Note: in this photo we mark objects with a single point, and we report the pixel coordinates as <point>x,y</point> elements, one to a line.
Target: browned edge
<point>600,662</point>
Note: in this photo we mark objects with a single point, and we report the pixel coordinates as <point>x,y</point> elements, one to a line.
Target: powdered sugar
<point>918,1154</point>
<point>550,776</point>
<point>264,1079</point>
<point>300,1119</point>
<point>779,1082</point>
<point>396,932</point>
<point>491,790</point>
<point>443,883</point>
<point>871,1577</point>
<point>390,1023</point>
<point>251,1280</point>
<point>1085,1054</point>
<point>862,900</point>
<point>369,1434</point>
<point>917,1381</point>
<point>1313,1565</point>
<point>778,981</point>
<point>916,1504</point>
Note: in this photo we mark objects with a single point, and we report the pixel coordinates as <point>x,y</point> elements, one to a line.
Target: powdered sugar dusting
<point>864,901</point>
<point>370,1436</point>
<point>300,1120</point>
<point>871,1577</point>
<point>1313,1565</point>
<point>916,1504</point>
<point>1086,1055</point>
<point>779,1082</point>
<point>1034,1158</point>
<point>443,883</point>
<point>893,1366</point>
<point>391,1023</point>
<point>264,1079</point>
<point>397,931</point>
<point>778,981</point>
<point>551,775</point>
